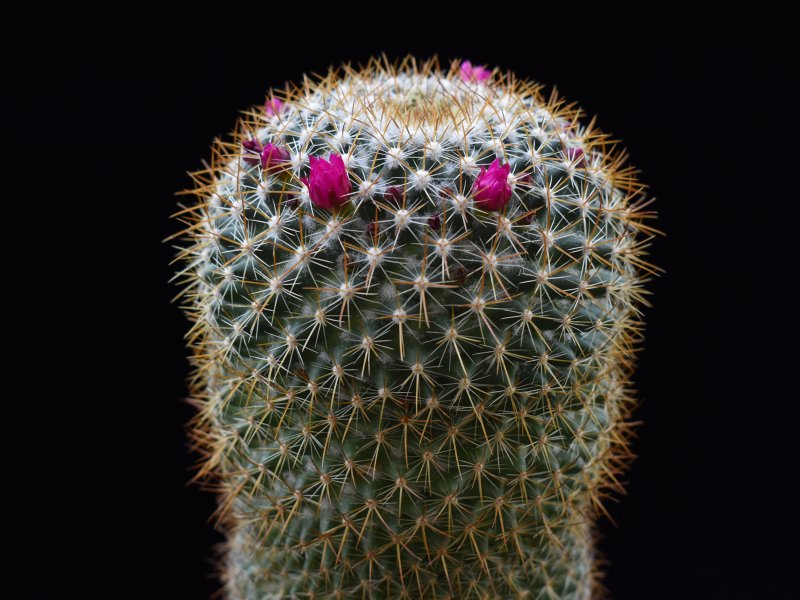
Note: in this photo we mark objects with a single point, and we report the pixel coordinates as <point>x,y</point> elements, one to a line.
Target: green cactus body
<point>414,396</point>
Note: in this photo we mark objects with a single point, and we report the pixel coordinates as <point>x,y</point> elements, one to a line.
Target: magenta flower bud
<point>273,107</point>
<point>273,156</point>
<point>474,73</point>
<point>252,148</point>
<point>252,145</point>
<point>491,188</point>
<point>327,182</point>
<point>393,193</point>
<point>576,155</point>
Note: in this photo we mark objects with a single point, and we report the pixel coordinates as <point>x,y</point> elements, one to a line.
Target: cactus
<point>415,294</point>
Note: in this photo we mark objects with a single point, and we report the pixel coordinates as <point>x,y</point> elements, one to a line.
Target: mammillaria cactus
<point>415,299</point>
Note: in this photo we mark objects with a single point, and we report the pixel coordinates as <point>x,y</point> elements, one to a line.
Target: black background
<point>708,118</point>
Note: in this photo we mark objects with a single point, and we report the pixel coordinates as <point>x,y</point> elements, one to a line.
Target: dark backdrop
<point>710,510</point>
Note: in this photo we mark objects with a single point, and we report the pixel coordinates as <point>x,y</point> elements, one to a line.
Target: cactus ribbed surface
<point>415,298</point>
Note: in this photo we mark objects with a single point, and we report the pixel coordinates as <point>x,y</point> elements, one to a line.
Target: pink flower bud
<point>491,188</point>
<point>327,182</point>
<point>273,107</point>
<point>394,193</point>
<point>272,156</point>
<point>252,148</point>
<point>576,155</point>
<point>474,73</point>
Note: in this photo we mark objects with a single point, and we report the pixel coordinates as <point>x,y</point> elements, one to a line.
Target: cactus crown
<point>415,301</point>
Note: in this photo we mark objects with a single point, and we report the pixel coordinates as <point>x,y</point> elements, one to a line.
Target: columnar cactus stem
<point>415,300</point>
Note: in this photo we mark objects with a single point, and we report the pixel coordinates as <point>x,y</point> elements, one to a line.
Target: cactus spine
<point>415,300</point>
